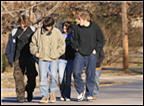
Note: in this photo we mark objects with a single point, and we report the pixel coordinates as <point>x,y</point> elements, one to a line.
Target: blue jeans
<point>90,63</point>
<point>67,90</point>
<point>61,69</point>
<point>96,88</point>
<point>47,68</point>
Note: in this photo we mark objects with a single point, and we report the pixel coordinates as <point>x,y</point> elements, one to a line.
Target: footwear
<point>44,99</point>
<point>52,97</point>
<point>20,100</point>
<point>67,99</point>
<point>29,96</point>
<point>81,96</point>
<point>62,98</point>
<point>89,98</point>
<point>95,97</point>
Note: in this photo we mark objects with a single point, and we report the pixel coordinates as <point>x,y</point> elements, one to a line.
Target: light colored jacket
<point>50,47</point>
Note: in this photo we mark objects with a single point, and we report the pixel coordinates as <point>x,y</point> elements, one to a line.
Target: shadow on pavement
<point>35,99</point>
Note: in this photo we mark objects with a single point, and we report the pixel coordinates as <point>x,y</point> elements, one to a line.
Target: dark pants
<point>21,67</point>
<point>90,63</point>
<point>68,78</point>
<point>66,83</point>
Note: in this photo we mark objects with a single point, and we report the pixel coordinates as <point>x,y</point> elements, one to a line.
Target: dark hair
<point>67,24</point>
<point>49,21</point>
<point>23,19</point>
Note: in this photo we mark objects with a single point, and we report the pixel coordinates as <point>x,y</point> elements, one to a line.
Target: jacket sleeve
<point>74,38</point>
<point>34,44</point>
<point>61,44</point>
<point>100,41</point>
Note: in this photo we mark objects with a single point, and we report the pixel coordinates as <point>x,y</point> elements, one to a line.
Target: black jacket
<point>69,52</point>
<point>86,39</point>
<point>23,38</point>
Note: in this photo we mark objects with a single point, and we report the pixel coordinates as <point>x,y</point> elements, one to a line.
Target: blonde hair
<point>83,15</point>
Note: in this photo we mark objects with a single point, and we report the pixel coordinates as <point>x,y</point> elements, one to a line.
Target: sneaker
<point>62,98</point>
<point>89,98</point>
<point>29,96</point>
<point>95,97</point>
<point>44,99</point>
<point>20,100</point>
<point>81,96</point>
<point>67,99</point>
<point>52,97</point>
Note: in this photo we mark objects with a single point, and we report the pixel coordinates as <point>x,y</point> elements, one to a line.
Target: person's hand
<point>94,51</point>
<point>37,55</point>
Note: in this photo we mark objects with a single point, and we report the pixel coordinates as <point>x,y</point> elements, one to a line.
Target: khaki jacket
<point>50,47</point>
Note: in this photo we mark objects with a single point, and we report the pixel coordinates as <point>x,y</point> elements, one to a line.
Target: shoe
<point>95,97</point>
<point>89,98</point>
<point>44,99</point>
<point>62,98</point>
<point>20,100</point>
<point>29,96</point>
<point>67,99</point>
<point>81,96</point>
<point>52,97</point>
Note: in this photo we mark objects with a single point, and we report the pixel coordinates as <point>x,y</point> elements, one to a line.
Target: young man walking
<point>17,52</point>
<point>48,44</point>
<point>86,41</point>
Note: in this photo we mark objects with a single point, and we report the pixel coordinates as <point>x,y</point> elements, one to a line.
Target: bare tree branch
<point>50,11</point>
<point>5,12</point>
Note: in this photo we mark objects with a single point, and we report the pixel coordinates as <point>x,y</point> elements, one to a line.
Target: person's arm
<point>100,41</point>
<point>74,38</point>
<point>61,44</point>
<point>34,45</point>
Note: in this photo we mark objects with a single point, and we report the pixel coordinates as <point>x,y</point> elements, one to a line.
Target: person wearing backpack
<point>18,53</point>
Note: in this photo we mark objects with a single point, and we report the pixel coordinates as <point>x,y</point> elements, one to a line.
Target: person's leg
<point>43,77</point>
<point>19,81</point>
<point>53,75</point>
<point>61,69</point>
<point>77,71</point>
<point>31,78</point>
<point>53,80</point>
<point>68,78</point>
<point>96,88</point>
<point>90,74</point>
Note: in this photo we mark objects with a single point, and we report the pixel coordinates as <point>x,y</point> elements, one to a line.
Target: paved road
<point>126,94</point>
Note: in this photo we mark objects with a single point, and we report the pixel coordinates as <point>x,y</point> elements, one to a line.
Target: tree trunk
<point>125,35</point>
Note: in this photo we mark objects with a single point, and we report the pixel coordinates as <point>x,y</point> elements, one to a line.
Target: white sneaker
<point>67,99</point>
<point>89,98</point>
<point>81,96</point>
<point>61,98</point>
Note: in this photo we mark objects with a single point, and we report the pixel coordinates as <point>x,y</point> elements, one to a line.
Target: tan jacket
<point>50,47</point>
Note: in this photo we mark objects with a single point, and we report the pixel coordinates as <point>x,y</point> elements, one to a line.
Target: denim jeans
<point>67,90</point>
<point>61,69</point>
<point>96,88</point>
<point>90,63</point>
<point>47,68</point>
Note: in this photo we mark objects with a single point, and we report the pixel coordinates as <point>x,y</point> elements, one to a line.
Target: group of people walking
<point>59,55</point>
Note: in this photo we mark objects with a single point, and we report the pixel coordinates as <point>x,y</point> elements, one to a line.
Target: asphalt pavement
<point>124,94</point>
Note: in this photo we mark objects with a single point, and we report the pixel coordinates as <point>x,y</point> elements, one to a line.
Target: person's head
<point>24,21</point>
<point>48,23</point>
<point>83,17</point>
<point>66,27</point>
